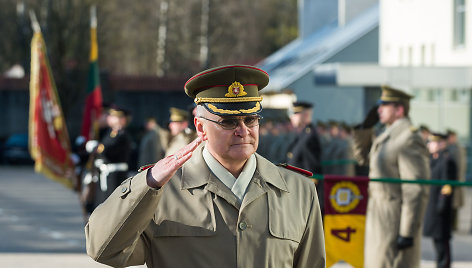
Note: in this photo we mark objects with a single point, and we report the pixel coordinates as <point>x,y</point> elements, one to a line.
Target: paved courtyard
<point>42,225</point>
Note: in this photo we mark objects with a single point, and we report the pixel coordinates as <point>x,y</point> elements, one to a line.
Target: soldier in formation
<point>438,218</point>
<point>395,211</point>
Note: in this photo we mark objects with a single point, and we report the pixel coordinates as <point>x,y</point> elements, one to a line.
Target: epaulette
<point>296,169</point>
<point>413,129</point>
<point>143,168</point>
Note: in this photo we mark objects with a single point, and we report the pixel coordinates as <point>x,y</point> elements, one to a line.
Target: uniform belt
<point>106,169</point>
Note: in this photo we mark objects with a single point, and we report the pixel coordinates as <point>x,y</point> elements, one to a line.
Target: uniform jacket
<point>459,155</point>
<point>393,209</point>
<point>438,218</point>
<point>196,221</point>
<point>305,150</point>
<point>116,150</point>
<point>150,149</point>
<point>180,140</point>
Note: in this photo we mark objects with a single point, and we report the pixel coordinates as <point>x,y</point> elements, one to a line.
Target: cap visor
<point>234,108</point>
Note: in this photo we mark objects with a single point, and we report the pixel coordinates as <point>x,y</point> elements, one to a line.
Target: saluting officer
<point>113,153</point>
<point>395,211</point>
<point>217,205</point>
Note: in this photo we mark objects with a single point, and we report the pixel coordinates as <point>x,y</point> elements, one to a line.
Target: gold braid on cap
<point>223,111</point>
<point>221,100</point>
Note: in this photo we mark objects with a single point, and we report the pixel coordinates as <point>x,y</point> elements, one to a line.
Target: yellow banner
<point>344,239</point>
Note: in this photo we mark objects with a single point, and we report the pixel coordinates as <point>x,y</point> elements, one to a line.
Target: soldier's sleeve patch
<point>296,169</point>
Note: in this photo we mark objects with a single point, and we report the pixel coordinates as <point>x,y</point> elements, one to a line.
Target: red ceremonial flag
<point>49,143</point>
<point>345,200</point>
<point>93,102</point>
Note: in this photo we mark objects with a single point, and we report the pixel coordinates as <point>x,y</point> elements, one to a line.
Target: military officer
<point>221,205</point>
<point>305,149</point>
<point>395,211</point>
<point>459,155</point>
<point>438,218</point>
<point>113,153</point>
<point>180,133</point>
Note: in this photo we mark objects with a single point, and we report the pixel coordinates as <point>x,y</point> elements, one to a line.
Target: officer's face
<point>228,145</point>
<point>436,146</point>
<point>176,127</point>
<point>389,113</point>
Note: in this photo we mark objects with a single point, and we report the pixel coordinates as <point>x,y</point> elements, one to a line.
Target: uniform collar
<point>270,173</point>
<point>237,185</point>
<point>195,172</point>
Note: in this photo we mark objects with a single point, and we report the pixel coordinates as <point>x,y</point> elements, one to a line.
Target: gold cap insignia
<point>235,90</point>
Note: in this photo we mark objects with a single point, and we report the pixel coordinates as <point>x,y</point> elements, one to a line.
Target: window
<point>453,97</point>
<point>459,23</point>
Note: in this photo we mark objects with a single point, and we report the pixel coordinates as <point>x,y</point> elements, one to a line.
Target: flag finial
<point>34,22</point>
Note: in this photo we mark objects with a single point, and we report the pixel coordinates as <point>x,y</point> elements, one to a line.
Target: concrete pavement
<point>42,226</point>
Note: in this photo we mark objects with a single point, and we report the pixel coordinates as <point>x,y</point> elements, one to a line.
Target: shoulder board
<point>143,168</point>
<point>413,129</point>
<point>296,169</point>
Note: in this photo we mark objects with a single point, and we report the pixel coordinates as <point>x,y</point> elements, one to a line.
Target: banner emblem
<point>345,196</point>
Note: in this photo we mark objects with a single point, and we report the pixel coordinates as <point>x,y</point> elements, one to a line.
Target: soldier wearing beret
<point>395,211</point>
<point>438,218</point>
<point>219,204</point>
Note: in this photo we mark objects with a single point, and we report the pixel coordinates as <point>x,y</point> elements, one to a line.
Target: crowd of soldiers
<point>333,154</point>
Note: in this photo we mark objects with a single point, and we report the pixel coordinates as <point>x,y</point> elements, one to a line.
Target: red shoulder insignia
<point>143,168</point>
<point>296,169</point>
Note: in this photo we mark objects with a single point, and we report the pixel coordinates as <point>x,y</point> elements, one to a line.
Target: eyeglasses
<point>233,123</point>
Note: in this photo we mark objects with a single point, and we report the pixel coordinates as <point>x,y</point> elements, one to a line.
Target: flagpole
<point>34,22</point>
<point>93,16</point>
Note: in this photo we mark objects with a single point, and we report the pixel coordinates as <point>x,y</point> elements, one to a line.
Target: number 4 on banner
<point>343,234</point>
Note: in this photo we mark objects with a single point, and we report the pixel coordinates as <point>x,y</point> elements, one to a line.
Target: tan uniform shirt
<point>394,209</point>
<point>196,221</point>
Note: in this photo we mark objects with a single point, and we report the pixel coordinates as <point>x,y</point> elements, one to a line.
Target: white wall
<point>420,32</point>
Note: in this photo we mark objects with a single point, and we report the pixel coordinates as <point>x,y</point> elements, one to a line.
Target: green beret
<point>228,90</point>
<point>178,115</point>
<point>390,95</point>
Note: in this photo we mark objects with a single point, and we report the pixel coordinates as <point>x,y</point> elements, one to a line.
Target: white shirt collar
<point>238,186</point>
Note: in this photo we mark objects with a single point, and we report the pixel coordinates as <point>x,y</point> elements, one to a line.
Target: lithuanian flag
<point>93,102</point>
<point>49,143</point>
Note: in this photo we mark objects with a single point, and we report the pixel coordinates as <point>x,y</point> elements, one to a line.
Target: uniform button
<point>242,226</point>
<point>124,189</point>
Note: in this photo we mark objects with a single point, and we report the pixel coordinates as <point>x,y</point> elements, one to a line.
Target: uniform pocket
<point>184,213</point>
<point>285,219</point>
